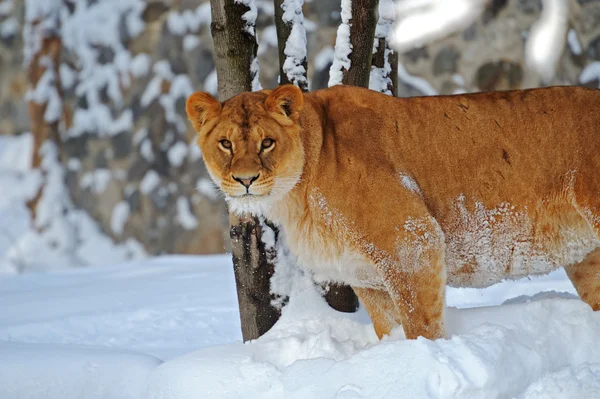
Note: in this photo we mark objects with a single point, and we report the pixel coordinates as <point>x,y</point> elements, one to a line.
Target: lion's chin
<point>256,205</point>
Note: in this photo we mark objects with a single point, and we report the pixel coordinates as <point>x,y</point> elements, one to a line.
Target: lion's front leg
<point>381,309</point>
<point>420,299</point>
<point>417,281</point>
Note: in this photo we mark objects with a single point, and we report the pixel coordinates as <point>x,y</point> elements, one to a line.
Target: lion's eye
<point>226,144</point>
<point>267,143</point>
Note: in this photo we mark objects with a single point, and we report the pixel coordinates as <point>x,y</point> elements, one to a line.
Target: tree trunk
<point>253,270</point>
<point>235,51</point>
<point>235,48</point>
<point>340,297</point>
<point>362,35</point>
<point>44,80</point>
<point>384,55</point>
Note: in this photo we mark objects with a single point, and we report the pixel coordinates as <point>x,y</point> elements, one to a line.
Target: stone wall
<point>128,149</point>
<point>489,54</point>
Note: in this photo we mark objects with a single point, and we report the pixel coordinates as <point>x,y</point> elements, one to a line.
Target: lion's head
<point>250,144</point>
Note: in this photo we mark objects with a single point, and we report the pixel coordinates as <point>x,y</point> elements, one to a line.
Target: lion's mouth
<point>247,195</point>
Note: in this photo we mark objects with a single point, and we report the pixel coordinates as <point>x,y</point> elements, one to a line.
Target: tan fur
<point>399,197</point>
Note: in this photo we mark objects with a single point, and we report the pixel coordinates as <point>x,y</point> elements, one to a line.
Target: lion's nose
<point>245,181</point>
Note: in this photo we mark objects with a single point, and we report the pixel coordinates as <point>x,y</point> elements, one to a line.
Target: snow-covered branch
<point>546,40</point>
<point>292,34</point>
<point>343,48</point>
<point>381,78</point>
<point>423,21</point>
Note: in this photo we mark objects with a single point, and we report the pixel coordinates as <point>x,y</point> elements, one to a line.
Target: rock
<point>200,63</point>
<point>320,78</point>
<point>106,55</point>
<point>470,33</point>
<point>493,9</point>
<point>416,54</point>
<point>121,144</point>
<point>530,6</point>
<point>499,75</point>
<point>593,49</point>
<point>154,10</point>
<point>138,169</point>
<point>76,147</point>
<point>446,61</point>
<point>134,200</point>
<point>326,11</point>
<point>101,162</point>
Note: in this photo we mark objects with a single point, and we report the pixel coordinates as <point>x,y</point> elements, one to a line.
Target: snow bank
<point>541,343</point>
<point>165,307</point>
<point>31,371</point>
<point>495,352</point>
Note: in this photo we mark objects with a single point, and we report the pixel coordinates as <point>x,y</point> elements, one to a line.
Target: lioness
<point>399,197</point>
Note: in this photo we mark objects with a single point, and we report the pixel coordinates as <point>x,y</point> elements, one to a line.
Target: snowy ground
<point>169,328</point>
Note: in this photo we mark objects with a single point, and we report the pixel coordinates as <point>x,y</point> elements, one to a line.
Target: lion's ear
<point>202,109</point>
<point>284,104</point>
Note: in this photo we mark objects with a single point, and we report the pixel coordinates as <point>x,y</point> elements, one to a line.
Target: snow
<point>96,180</point>
<point>207,188</point>
<point>67,75</point>
<point>343,48</point>
<point>140,65</point>
<point>268,39</point>
<point>6,7</point>
<point>573,42</point>
<point>421,22</point>
<point>152,91</point>
<point>410,183</point>
<point>180,86</point>
<point>90,27</point>
<point>46,91</point>
<point>185,217</point>
<point>380,79</point>
<point>122,124</point>
<point>177,153</point>
<point>119,217</point>
<point>308,358</point>
<point>146,150</point>
<point>590,72</point>
<point>211,83</point>
<point>324,58</point>
<point>60,236</point>
<point>190,42</point>
<point>41,20</point>
<point>546,39</point>
<point>9,27</point>
<point>169,328</point>
<point>415,82</point>
<point>149,182</point>
<point>295,46</point>
<point>189,21</point>
<point>249,16</point>
<point>93,372</point>
<point>255,74</point>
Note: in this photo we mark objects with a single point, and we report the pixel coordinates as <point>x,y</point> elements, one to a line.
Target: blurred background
<point>123,178</point>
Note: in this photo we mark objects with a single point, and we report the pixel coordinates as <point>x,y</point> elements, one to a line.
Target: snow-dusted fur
<point>398,197</point>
